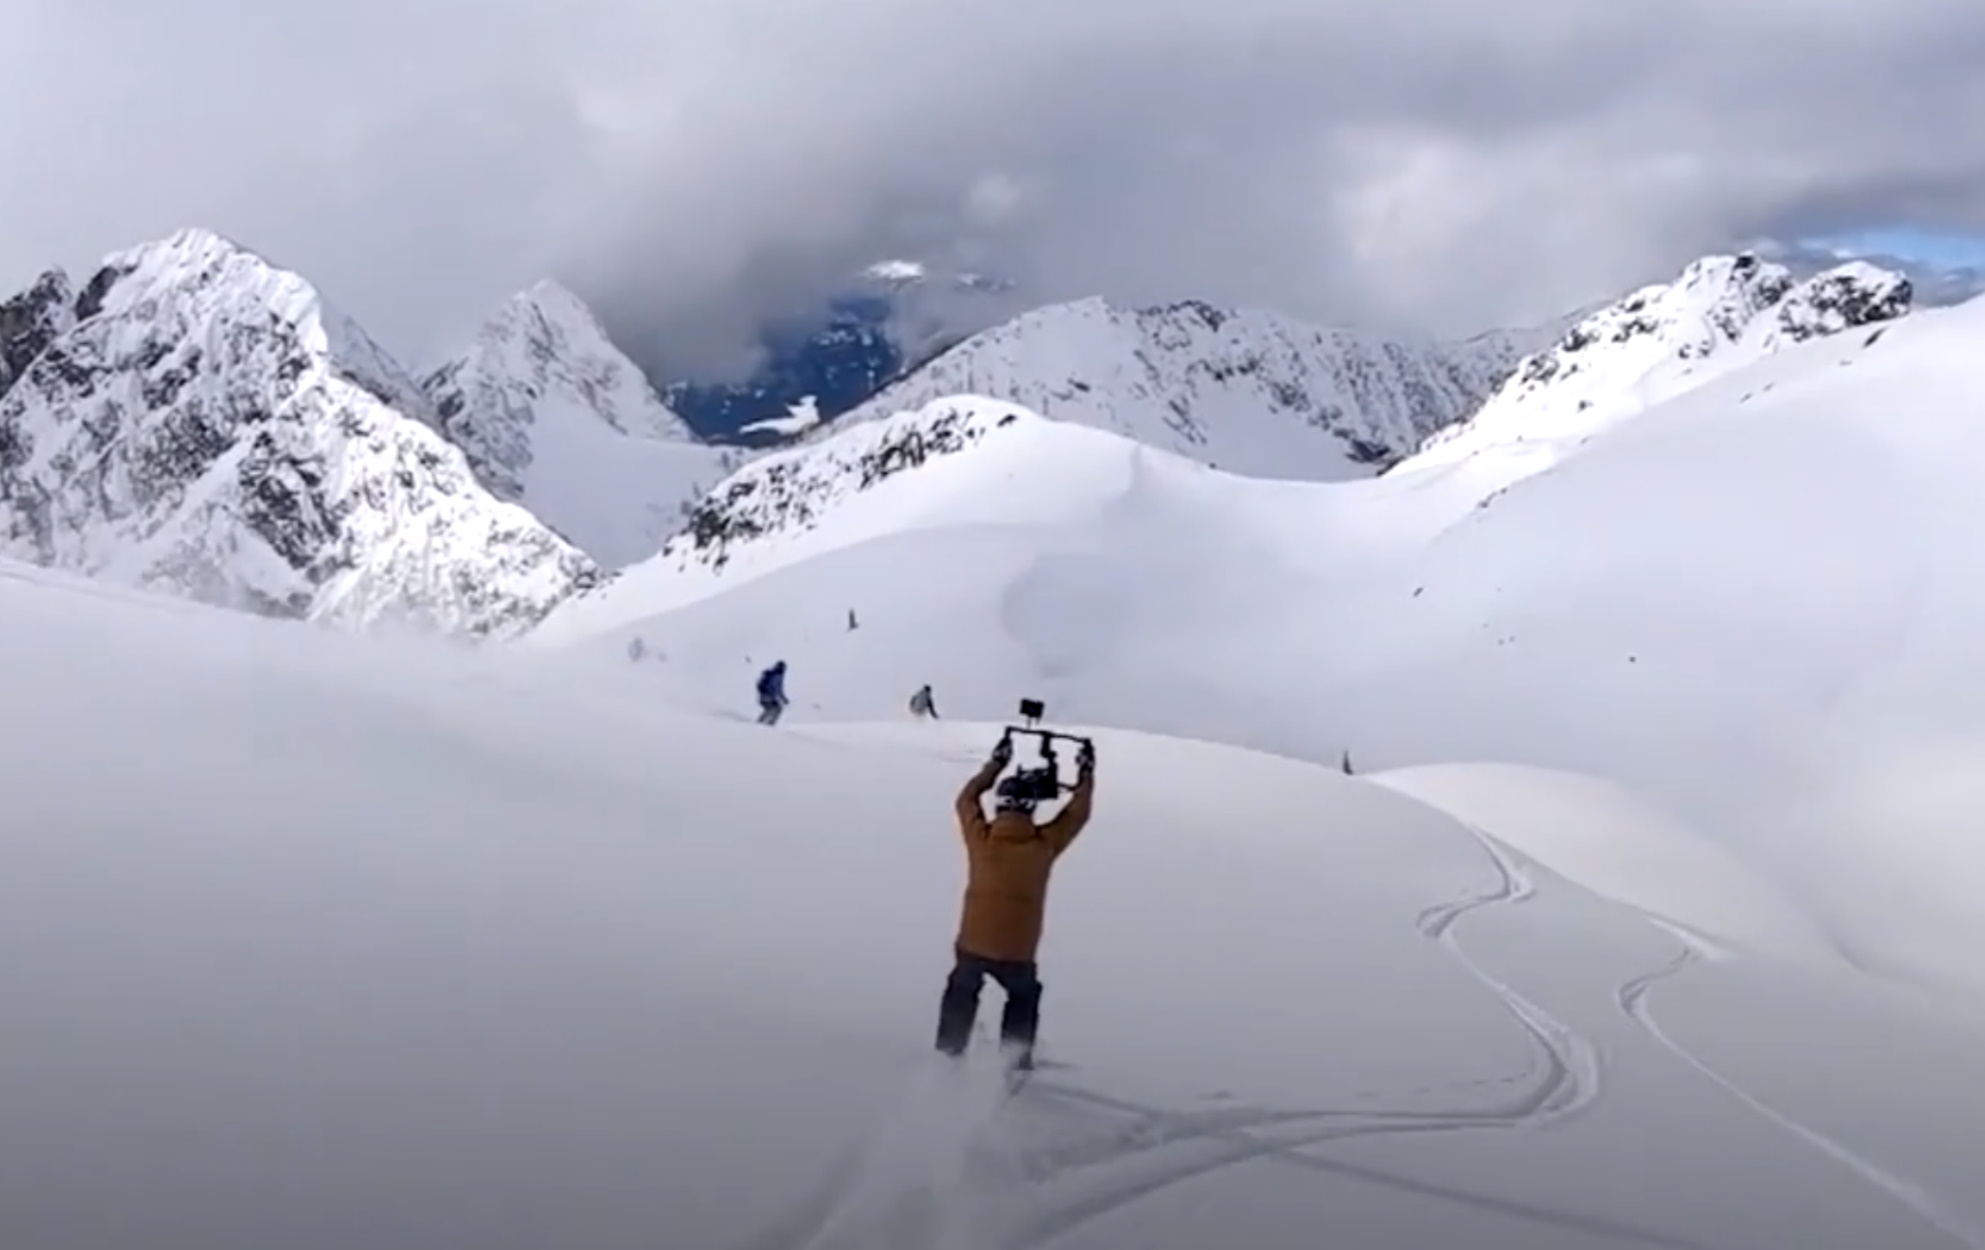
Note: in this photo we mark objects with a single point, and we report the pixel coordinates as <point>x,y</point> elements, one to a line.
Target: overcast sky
<point>691,164</point>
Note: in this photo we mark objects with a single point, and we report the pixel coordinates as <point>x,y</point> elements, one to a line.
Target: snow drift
<point>487,957</point>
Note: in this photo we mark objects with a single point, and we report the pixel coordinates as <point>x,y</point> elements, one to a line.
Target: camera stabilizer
<point>1041,782</point>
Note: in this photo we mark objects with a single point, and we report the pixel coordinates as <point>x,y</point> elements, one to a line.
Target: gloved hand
<point>1002,751</point>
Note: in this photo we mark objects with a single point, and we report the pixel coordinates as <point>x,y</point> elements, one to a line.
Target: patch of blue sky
<point>1938,249</point>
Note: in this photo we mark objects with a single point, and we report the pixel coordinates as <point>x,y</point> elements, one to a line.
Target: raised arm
<point>1068,822</point>
<point>971,816</point>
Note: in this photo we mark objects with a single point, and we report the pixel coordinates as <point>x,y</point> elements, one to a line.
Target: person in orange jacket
<point>1008,862</point>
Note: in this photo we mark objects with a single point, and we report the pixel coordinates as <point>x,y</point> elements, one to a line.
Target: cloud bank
<point>692,164</point>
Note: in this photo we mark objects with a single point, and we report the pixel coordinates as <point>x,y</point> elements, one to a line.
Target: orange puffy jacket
<point>1009,859</point>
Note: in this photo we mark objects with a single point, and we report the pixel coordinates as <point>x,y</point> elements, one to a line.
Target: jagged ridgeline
<point>195,419</point>
<point>1248,391</point>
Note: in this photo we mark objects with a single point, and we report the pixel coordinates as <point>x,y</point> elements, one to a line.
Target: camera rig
<point>1041,782</point>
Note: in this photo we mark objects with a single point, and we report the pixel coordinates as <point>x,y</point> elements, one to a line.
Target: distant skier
<point>1008,860</point>
<point>772,693</point>
<point>922,703</point>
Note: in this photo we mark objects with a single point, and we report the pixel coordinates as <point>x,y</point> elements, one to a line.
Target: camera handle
<point>1047,736</point>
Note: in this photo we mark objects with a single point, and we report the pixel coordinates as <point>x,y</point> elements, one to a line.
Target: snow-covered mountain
<point>1757,602</point>
<point>1937,283</point>
<point>1764,584</point>
<point>972,458</point>
<point>199,420</point>
<point>544,346</point>
<point>874,480</point>
<point>1720,990</point>
<point>553,416</point>
<point>1247,391</point>
<point>1722,313</point>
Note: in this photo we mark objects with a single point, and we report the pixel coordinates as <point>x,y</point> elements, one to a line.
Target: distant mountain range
<point>897,315</point>
<point>1245,390</point>
<point>1137,399</point>
<point>191,417</point>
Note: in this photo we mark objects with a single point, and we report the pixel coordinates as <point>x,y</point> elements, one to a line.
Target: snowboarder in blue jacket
<point>772,693</point>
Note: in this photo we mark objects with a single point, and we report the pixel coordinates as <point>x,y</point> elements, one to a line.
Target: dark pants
<point>768,712</point>
<point>960,1007</point>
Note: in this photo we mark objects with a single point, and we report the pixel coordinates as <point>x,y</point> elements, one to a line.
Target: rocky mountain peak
<point>206,424</point>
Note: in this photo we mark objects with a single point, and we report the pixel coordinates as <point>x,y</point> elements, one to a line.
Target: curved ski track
<point>1571,1077</point>
<point>1632,1000</point>
<point>1162,1148</point>
<point>1217,1139</point>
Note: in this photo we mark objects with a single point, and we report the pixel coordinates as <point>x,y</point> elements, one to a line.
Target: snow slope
<point>488,956</point>
<point>553,416</point>
<point>879,479</point>
<point>1743,605</point>
<point>1597,833</point>
<point>201,421</point>
<point>1722,313</point>
<point>1248,391</point>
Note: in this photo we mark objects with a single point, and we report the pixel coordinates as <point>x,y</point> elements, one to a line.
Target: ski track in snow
<point>1134,1162</point>
<point>905,1181</point>
<point>1161,1148</point>
<point>1571,1081</point>
<point>1632,998</point>
<point>1234,1142</point>
<point>1577,1062</point>
<point>1139,1160</point>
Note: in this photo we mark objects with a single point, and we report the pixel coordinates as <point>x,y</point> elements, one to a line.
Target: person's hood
<point>1012,827</point>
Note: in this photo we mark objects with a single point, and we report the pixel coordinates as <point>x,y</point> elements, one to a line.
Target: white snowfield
<point>321,942</point>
